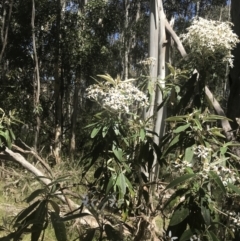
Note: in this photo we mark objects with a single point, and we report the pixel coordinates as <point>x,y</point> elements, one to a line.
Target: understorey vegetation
<point>117,145</point>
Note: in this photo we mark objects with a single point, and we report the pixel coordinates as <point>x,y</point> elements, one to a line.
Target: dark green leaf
<point>90,235</point>
<point>218,181</point>
<point>74,216</point>
<point>38,226</point>
<point>186,235</point>
<point>34,194</point>
<point>179,215</point>
<point>112,233</point>
<point>181,128</point>
<point>234,188</point>
<point>23,214</point>
<point>174,140</point>
<point>179,180</point>
<point>212,236</point>
<point>55,206</point>
<point>59,227</point>
<point>205,213</point>
<point>98,172</point>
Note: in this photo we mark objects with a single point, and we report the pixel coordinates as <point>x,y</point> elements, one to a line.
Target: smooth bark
<point>36,80</point>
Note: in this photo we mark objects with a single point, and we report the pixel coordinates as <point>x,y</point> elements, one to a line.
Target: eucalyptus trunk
<point>58,85</point>
<point>233,107</point>
<point>72,144</point>
<point>36,80</point>
<point>153,54</point>
<point>159,115</point>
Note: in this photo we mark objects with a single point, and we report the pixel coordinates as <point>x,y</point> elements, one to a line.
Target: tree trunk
<point>161,114</point>
<point>36,81</point>
<point>72,144</point>
<point>153,54</point>
<point>58,86</point>
<point>233,107</point>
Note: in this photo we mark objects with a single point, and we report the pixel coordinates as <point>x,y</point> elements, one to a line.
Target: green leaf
<point>34,194</point>
<point>142,134</point>
<point>12,134</point>
<point>198,124</point>
<point>223,149</point>
<point>205,213</point>
<point>108,78</point>
<point>37,227</point>
<point>105,131</point>
<point>95,131</point>
<point>121,183</point>
<point>188,155</point>
<point>179,180</point>
<point>181,128</point>
<point>54,206</point>
<point>174,140</point>
<point>186,235</point>
<point>74,216</point>
<point>89,236</point>
<point>218,181</point>
<point>110,184</point>
<point>59,227</point>
<point>129,185</point>
<point>234,188</point>
<point>8,139</point>
<point>23,214</point>
<point>179,215</point>
<point>212,236</point>
<point>112,233</point>
<point>118,153</point>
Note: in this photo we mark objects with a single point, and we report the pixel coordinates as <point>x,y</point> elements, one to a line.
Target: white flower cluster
<point>226,175</point>
<point>211,37</point>
<point>195,238</point>
<point>202,166</point>
<point>202,151</point>
<point>118,97</point>
<point>234,217</point>
<point>148,61</point>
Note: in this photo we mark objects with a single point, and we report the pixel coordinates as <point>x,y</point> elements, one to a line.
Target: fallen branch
<point>43,163</point>
<point>8,154</point>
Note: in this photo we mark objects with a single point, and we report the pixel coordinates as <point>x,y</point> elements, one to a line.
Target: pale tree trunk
<point>126,39</point>
<point>153,54</point>
<point>72,144</point>
<point>159,124</point>
<point>233,108</point>
<point>5,26</point>
<point>36,81</point>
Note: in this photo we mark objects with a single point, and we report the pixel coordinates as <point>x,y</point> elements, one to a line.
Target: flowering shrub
<point>117,96</point>
<point>209,37</point>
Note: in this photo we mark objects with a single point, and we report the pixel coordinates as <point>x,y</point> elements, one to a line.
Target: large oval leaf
<point>179,215</point>
<point>186,235</point>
